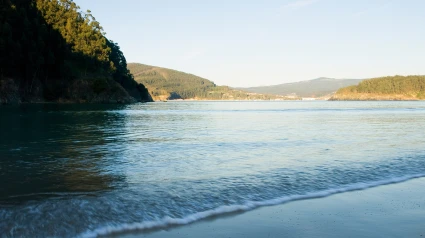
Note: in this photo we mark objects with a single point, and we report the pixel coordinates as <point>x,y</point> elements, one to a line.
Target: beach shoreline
<point>393,210</point>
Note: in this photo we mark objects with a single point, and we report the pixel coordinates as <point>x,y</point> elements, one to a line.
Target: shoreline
<point>69,102</point>
<point>365,213</point>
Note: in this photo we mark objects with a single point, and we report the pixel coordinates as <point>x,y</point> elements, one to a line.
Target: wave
<point>222,210</point>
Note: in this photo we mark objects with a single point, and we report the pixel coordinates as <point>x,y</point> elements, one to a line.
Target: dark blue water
<point>88,170</point>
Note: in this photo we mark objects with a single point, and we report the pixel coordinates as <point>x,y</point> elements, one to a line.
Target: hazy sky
<point>251,43</point>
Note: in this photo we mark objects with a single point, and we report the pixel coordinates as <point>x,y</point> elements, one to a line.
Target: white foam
<point>168,221</point>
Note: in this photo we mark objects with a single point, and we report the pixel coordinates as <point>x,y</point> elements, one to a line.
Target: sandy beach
<point>395,210</point>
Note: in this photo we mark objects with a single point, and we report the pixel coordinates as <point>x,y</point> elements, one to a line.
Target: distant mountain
<point>385,88</point>
<point>310,88</point>
<point>169,84</point>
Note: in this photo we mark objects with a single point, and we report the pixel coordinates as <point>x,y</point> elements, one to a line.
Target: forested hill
<point>310,88</point>
<point>52,51</point>
<point>166,84</point>
<point>385,88</point>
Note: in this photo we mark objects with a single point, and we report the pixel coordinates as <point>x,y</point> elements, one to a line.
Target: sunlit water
<point>87,170</point>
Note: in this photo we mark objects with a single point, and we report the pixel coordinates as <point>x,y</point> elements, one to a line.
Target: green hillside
<point>310,88</point>
<point>168,84</point>
<point>385,88</point>
<point>52,51</point>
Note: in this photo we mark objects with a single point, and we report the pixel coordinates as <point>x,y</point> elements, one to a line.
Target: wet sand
<point>395,210</point>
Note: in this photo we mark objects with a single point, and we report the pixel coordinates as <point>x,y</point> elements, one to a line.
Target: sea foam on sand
<point>396,210</point>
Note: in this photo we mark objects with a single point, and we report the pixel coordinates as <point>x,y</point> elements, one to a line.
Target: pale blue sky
<point>251,43</point>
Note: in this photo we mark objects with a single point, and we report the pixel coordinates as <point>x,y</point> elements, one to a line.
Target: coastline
<point>394,210</point>
<point>373,97</point>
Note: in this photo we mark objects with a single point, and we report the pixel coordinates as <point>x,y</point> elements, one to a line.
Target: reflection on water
<point>49,149</point>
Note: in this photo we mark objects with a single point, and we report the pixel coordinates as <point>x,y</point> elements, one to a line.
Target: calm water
<point>87,170</point>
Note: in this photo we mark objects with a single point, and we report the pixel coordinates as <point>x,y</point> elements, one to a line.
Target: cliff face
<point>79,91</point>
<point>83,91</point>
<point>9,92</point>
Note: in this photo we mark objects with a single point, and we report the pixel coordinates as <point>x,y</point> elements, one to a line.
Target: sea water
<point>90,170</point>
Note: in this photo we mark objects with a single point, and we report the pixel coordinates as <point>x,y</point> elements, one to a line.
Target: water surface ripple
<point>88,170</point>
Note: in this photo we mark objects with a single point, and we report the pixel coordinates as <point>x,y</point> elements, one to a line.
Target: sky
<point>243,43</point>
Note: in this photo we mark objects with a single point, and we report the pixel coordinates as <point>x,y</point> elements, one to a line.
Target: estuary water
<point>93,170</point>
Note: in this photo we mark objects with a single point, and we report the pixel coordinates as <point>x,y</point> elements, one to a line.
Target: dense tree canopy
<point>405,87</point>
<point>390,85</point>
<point>52,42</point>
